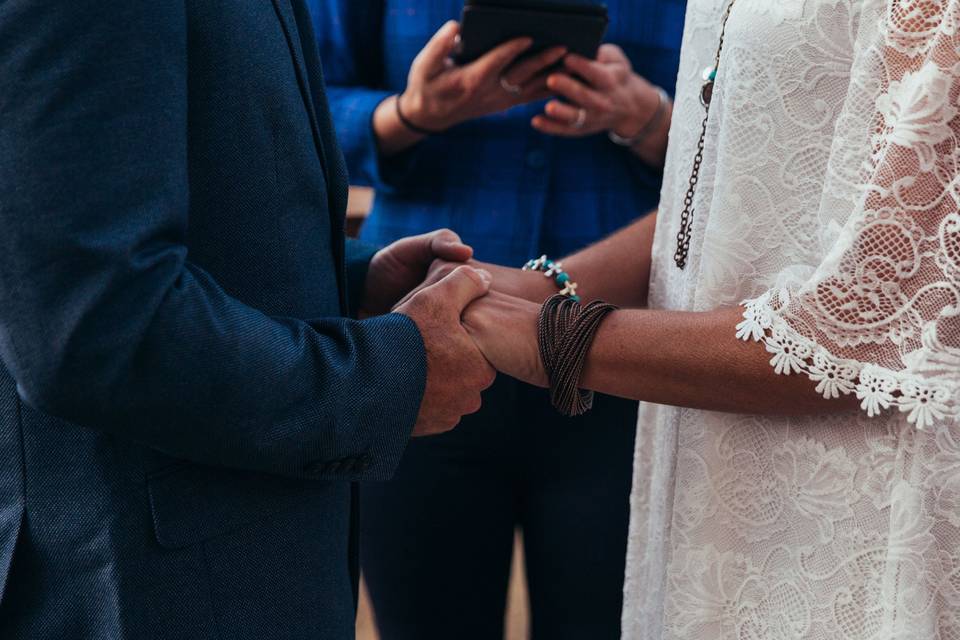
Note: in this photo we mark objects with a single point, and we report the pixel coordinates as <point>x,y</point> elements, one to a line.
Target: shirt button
<point>536,159</point>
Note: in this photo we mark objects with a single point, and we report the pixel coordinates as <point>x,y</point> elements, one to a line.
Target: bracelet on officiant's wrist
<point>555,271</point>
<point>405,121</point>
<point>663,101</point>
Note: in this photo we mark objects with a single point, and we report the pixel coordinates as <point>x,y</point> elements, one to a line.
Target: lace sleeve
<point>880,317</point>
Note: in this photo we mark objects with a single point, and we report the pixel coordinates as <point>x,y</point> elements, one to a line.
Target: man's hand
<point>529,285</point>
<point>505,330</point>
<point>457,372</point>
<point>398,269</point>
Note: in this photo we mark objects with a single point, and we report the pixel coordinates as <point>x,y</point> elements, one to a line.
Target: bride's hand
<point>505,330</point>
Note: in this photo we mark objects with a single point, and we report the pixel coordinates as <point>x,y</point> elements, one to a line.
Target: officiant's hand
<point>603,95</point>
<point>401,267</point>
<point>441,94</point>
<point>610,94</point>
<point>505,330</point>
<point>457,371</point>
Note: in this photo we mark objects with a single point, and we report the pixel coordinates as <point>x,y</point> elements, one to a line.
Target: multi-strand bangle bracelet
<point>554,270</point>
<point>565,334</point>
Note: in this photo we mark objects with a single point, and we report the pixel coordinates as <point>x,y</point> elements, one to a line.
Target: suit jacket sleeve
<point>349,36</point>
<point>104,320</point>
<point>358,256</point>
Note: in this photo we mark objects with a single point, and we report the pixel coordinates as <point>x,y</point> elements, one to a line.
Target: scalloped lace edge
<point>878,388</point>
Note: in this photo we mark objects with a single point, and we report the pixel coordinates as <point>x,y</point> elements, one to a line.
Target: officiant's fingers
<point>433,57</point>
<point>577,92</point>
<point>598,74</point>
<point>492,63</point>
<point>526,70</point>
<point>463,286</point>
<point>554,128</point>
<point>563,113</point>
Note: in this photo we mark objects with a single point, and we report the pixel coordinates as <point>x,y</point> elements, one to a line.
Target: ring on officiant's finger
<point>509,87</point>
<point>581,119</point>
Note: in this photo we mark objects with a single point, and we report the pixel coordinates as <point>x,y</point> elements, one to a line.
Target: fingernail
<point>485,275</point>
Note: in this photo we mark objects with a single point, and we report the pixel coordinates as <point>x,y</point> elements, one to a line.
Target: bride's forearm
<point>694,359</point>
<point>616,269</point>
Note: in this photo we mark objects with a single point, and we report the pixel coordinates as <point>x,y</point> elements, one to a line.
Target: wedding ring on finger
<point>581,119</point>
<point>512,89</point>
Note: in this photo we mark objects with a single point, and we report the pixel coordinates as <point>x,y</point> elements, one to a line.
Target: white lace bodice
<point>828,198</point>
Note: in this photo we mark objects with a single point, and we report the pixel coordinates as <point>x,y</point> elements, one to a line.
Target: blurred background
<point>516,622</point>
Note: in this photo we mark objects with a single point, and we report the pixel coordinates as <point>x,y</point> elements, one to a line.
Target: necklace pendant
<point>706,91</point>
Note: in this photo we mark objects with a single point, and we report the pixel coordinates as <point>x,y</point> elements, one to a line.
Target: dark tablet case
<point>486,24</point>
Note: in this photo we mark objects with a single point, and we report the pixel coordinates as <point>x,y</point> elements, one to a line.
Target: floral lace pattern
<point>828,200</point>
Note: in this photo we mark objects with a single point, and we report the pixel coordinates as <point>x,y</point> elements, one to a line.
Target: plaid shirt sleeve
<point>352,51</point>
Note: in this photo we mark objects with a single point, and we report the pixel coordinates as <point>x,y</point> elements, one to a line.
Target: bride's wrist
<point>536,288</point>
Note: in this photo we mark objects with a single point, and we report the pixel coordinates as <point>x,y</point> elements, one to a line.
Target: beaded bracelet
<point>554,270</point>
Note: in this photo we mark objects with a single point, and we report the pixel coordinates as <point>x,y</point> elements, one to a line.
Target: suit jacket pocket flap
<point>191,503</point>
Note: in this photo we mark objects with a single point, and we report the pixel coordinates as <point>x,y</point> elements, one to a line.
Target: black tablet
<point>578,26</point>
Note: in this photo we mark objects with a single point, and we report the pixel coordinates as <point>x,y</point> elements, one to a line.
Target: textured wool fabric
<point>174,289</point>
<point>11,475</point>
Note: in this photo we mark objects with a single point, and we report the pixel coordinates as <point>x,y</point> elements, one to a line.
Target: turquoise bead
<point>575,298</point>
<point>562,279</point>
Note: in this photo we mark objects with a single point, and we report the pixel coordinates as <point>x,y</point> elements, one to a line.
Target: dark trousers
<point>437,539</point>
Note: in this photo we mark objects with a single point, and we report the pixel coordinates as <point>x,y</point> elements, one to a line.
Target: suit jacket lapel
<point>295,20</point>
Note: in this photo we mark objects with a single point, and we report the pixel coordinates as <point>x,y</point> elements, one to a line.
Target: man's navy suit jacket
<point>173,288</point>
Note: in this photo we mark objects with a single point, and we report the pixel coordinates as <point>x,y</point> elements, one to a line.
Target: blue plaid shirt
<point>510,191</point>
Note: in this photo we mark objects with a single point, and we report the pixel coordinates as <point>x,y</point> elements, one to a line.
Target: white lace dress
<point>828,198</point>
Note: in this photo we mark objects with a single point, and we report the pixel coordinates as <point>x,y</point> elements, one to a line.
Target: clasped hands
<point>470,327</point>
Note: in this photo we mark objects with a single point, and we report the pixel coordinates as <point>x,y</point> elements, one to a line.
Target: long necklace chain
<point>706,96</point>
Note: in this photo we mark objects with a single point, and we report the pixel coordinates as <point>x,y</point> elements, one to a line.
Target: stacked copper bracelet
<point>566,333</point>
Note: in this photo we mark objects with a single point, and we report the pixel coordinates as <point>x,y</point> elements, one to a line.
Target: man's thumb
<point>463,286</point>
<point>447,245</point>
